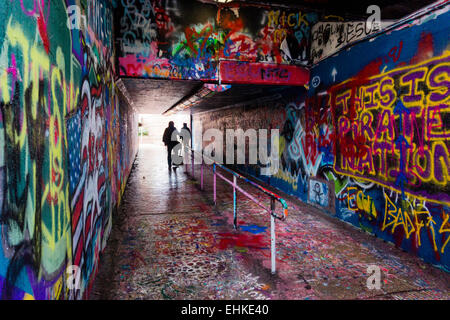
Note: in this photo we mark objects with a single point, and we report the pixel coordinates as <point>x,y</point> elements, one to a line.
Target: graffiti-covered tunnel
<point>224,150</point>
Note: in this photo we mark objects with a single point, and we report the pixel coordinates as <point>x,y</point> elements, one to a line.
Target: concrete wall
<point>369,141</point>
<point>67,143</point>
<point>184,39</point>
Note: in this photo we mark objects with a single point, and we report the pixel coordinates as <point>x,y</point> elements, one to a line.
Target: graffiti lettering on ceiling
<point>330,37</point>
<point>185,40</point>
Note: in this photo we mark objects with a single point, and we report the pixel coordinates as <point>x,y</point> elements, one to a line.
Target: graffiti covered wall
<point>185,39</point>
<point>305,136</point>
<point>390,105</point>
<point>374,126</point>
<point>66,145</point>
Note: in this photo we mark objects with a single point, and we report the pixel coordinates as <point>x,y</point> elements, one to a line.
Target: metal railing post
<point>234,202</point>
<point>272,235</point>
<point>214,182</point>
<point>201,174</point>
<point>192,159</point>
<point>186,157</point>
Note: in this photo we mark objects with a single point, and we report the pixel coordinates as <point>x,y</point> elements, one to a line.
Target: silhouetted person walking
<point>185,127</point>
<point>185,133</point>
<point>167,139</point>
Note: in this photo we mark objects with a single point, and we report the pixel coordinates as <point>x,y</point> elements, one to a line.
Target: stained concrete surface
<point>169,242</point>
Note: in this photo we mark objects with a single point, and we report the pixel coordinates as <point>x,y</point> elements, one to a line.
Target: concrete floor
<point>169,242</point>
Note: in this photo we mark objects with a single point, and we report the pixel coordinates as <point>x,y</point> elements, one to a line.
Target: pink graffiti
<point>262,73</point>
<point>28,12</point>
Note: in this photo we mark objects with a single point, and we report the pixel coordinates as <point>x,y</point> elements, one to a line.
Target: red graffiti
<point>352,145</point>
<point>193,36</point>
<point>230,240</point>
<point>395,52</point>
<point>262,73</point>
<point>43,31</point>
<point>424,49</point>
<point>163,22</point>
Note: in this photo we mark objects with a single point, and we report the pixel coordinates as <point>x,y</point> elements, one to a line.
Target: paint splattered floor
<point>169,242</point>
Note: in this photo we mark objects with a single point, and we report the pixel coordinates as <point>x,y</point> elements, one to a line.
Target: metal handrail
<point>273,197</point>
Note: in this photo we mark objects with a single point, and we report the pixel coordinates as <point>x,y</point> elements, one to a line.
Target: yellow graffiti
<point>395,217</point>
<point>443,229</point>
<point>287,177</point>
<point>413,216</point>
<point>35,67</point>
<point>430,225</point>
<point>363,203</point>
<point>28,296</point>
<point>366,204</point>
<point>375,127</point>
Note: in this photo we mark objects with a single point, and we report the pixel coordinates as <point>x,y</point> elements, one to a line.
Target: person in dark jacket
<point>168,142</point>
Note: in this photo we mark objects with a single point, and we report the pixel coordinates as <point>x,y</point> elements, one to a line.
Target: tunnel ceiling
<point>242,95</point>
<point>156,96</point>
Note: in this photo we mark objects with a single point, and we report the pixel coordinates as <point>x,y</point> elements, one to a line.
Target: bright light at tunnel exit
<point>152,126</point>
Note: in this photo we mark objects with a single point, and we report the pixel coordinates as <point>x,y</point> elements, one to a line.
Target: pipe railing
<point>273,197</point>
